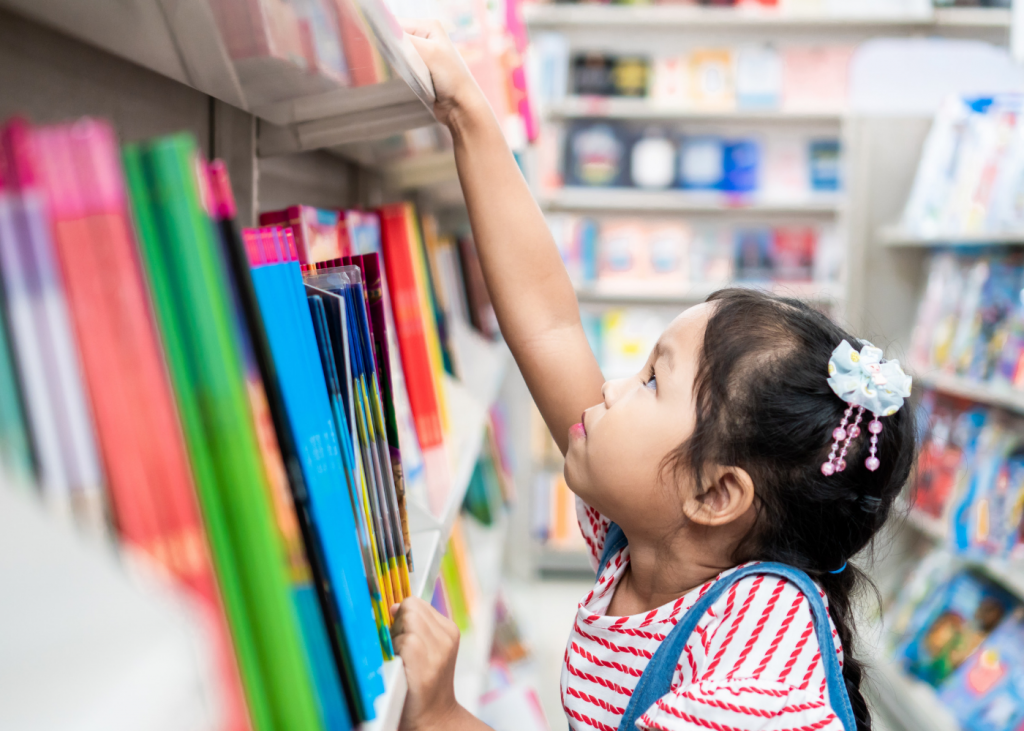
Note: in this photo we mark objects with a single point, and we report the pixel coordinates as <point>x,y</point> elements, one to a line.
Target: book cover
<point>316,231</point>
<point>197,321</point>
<point>712,79</point>
<point>623,250</point>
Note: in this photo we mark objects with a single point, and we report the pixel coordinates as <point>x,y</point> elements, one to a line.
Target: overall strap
<point>657,678</point>
<point>614,540</point>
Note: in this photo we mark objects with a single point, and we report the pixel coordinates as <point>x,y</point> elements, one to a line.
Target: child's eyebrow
<point>662,351</point>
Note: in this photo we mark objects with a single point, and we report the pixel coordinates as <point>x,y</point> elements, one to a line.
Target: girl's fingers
<point>431,29</point>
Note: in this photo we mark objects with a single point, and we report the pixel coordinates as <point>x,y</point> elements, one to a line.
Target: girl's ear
<point>728,495</point>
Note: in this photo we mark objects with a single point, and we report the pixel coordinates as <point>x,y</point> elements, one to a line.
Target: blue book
<point>289,327</point>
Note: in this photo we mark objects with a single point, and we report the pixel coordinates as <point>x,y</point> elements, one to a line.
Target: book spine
<point>207,319</point>
<point>405,304</point>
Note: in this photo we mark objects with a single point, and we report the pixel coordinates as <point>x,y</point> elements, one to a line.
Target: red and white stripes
<point>753,663</point>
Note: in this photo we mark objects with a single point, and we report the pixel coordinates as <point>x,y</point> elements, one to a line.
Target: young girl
<point>723,489</point>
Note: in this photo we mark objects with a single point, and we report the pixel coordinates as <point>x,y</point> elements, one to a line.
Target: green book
<point>17,463</point>
<point>197,323</point>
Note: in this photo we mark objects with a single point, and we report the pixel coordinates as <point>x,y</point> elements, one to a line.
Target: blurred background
<point>227,223</point>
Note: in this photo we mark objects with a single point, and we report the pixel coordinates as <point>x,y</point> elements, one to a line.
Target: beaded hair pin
<point>865,382</point>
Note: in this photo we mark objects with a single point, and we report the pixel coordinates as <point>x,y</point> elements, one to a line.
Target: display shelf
<point>487,547</point>
<point>180,39</point>
<point>897,237</point>
<point>676,18</point>
<point>429,533</point>
<point>991,394</point>
<point>650,293</point>
<point>576,107</point>
<point>911,702</point>
<point>555,561</point>
<point>573,198</point>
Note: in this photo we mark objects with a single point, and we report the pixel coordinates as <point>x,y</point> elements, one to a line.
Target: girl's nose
<point>611,390</point>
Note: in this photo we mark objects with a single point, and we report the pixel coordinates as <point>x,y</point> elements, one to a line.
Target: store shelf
<point>468,403</point>
<point>897,237</point>
<point>677,18</point>
<point>487,546</point>
<point>647,293</point>
<point>985,393</point>
<point>685,201</point>
<point>911,702</point>
<point>576,107</point>
<point>562,562</point>
<point>180,39</point>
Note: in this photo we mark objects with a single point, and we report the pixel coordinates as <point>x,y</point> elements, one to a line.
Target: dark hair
<point>763,404</point>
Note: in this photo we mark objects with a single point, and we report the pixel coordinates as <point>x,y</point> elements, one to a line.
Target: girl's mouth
<point>579,430</point>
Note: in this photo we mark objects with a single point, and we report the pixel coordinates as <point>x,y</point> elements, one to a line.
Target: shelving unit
<point>998,395</point>
<point>651,293</point>
<point>669,18</point>
<point>622,108</point>
<point>686,201</point>
<point>896,237</point>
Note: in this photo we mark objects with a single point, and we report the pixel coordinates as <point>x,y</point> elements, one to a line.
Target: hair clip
<point>865,382</point>
<point>869,503</point>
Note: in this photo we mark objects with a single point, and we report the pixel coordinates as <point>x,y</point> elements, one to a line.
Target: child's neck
<point>658,573</point>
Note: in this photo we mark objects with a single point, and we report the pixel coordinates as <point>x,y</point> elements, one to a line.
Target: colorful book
<point>279,288</point>
<point>193,308</point>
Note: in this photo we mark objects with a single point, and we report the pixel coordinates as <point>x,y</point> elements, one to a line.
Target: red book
<point>397,243</point>
<point>317,231</point>
<point>143,447</point>
<point>364,61</point>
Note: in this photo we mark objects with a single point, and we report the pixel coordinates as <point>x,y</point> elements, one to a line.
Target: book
<point>282,299</point>
<point>816,77</point>
<point>193,309</point>
<point>481,310</point>
<point>712,79</point>
<point>316,231</point>
<point>60,415</point>
<point>149,477</point>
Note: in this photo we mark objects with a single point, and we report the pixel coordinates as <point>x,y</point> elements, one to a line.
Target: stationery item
<point>758,77</point>
<point>824,165</point>
<point>186,276</point>
<point>653,160</point>
<point>668,244</point>
<point>596,153</point>
<point>754,254</point>
<point>623,250</point>
<point>712,79</point>
<point>701,163</point>
<point>793,249</point>
<point>741,166</point>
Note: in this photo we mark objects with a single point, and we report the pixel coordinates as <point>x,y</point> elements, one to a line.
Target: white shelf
<point>468,403</point>
<point>911,702</point>
<point>555,561</point>
<point>680,18</point>
<point>986,393</point>
<point>577,198</point>
<point>487,546</point>
<point>576,107</point>
<point>180,39</point>
<point>895,236</point>
<point>650,293</point>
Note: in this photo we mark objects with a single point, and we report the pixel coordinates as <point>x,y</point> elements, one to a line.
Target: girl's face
<point>616,452</point>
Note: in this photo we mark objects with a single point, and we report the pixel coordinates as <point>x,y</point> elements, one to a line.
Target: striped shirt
<point>752,663</point>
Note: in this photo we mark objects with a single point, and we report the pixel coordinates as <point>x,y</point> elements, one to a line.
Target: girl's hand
<point>454,86</point>
<point>428,644</point>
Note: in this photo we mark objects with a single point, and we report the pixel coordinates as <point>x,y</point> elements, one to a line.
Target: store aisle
<point>545,611</point>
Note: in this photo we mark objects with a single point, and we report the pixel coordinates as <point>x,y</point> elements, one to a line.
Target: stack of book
<point>248,410</point>
<point>969,179</point>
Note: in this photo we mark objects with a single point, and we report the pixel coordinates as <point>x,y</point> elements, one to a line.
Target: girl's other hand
<point>428,644</point>
<point>454,86</point>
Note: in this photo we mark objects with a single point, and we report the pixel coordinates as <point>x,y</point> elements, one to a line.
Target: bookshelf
<point>682,201</point>
<point>912,703</point>
<point>580,107</point>
<point>1001,396</point>
<point>647,293</point>
<point>668,18</point>
<point>896,237</point>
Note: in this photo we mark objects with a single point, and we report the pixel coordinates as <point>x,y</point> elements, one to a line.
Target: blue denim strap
<point>614,539</point>
<point>656,680</point>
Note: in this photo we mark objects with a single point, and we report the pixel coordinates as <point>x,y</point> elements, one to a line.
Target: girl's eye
<point>652,381</point>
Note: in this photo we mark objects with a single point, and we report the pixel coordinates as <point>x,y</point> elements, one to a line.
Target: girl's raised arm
<point>532,295</point>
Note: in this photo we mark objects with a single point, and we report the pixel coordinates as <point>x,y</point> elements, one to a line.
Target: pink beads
<point>875,427</point>
<point>854,430</point>
<point>827,469</point>
<point>839,433</point>
<point>840,464</point>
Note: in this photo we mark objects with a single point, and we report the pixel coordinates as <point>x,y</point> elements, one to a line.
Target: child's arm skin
<point>539,316</point>
<point>532,295</point>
